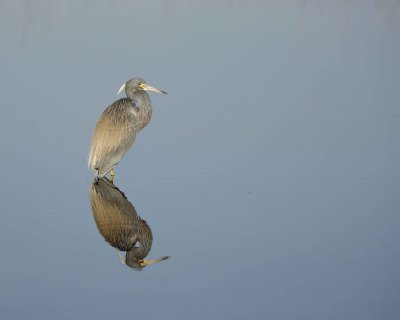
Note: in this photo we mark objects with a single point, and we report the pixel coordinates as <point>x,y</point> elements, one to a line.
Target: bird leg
<point>112,174</point>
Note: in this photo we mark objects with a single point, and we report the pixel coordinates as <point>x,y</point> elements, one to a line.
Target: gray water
<point>269,174</point>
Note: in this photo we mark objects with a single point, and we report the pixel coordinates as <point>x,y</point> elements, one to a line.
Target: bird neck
<point>142,104</point>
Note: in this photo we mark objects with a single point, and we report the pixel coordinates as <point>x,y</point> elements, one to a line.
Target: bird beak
<point>145,263</point>
<point>146,87</point>
<point>121,89</point>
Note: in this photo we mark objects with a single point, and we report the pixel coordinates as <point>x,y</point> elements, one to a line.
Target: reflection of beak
<point>146,87</point>
<point>148,262</point>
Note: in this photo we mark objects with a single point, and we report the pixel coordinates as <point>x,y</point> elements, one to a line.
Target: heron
<point>118,126</point>
<point>120,225</point>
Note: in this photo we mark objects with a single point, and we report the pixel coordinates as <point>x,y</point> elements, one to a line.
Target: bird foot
<point>112,175</point>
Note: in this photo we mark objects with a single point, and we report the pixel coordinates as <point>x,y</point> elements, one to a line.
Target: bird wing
<point>113,136</point>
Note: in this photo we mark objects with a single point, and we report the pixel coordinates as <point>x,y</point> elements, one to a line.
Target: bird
<point>120,225</point>
<point>118,126</point>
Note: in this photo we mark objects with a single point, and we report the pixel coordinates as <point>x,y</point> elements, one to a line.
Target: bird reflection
<point>119,224</point>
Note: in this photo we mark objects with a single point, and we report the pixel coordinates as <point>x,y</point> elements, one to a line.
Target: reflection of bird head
<point>132,261</point>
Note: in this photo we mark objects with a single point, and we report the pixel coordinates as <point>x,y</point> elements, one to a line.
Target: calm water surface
<point>269,175</point>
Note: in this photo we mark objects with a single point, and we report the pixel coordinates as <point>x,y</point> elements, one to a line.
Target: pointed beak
<point>121,89</point>
<point>146,87</point>
<point>149,262</point>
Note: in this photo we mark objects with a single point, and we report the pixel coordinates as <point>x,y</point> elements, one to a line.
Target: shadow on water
<point>120,225</point>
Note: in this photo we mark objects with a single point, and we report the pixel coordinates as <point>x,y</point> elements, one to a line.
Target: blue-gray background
<point>269,174</point>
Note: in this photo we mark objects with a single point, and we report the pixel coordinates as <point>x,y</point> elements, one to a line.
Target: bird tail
<point>94,166</point>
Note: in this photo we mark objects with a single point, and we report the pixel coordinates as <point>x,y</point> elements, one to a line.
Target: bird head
<point>137,84</point>
<point>136,263</point>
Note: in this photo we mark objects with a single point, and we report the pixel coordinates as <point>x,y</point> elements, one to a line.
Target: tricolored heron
<point>120,225</point>
<point>118,126</point>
